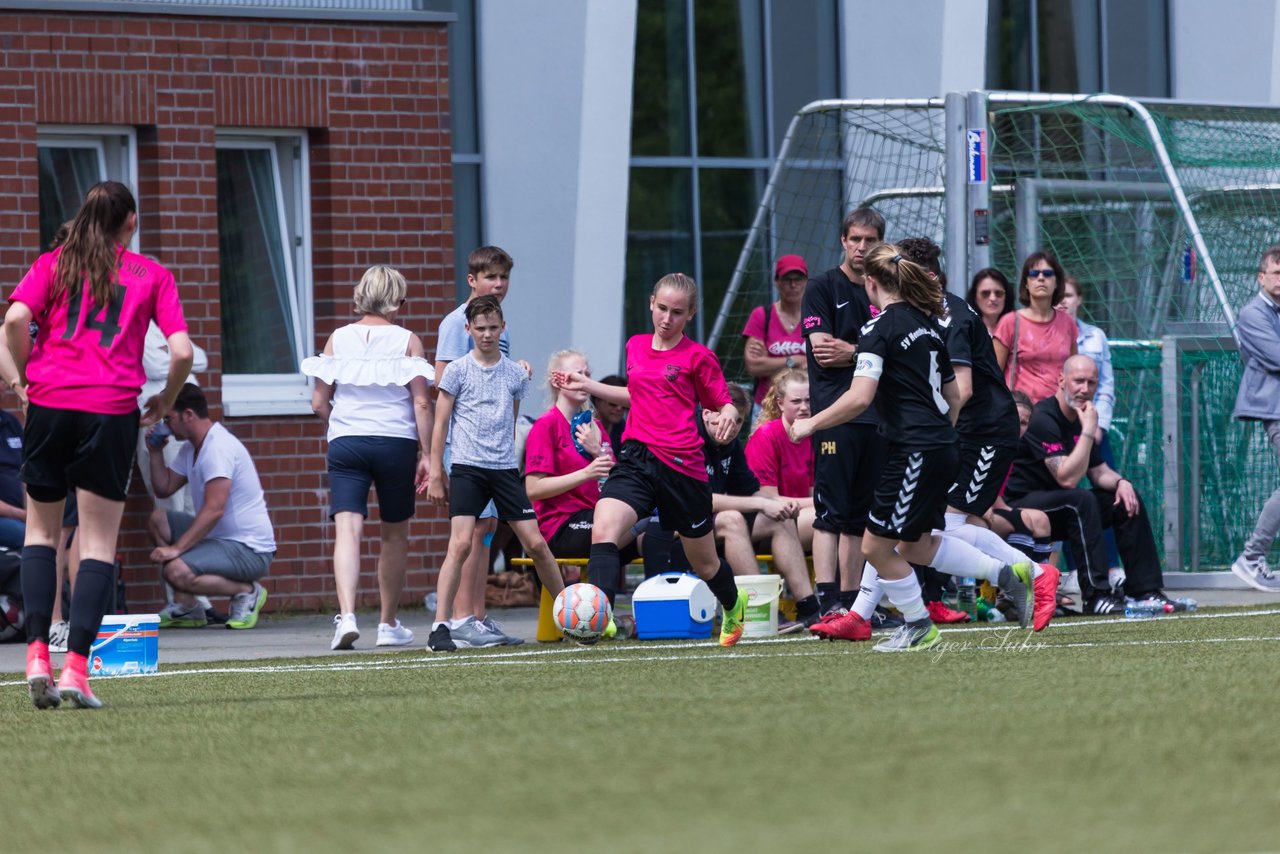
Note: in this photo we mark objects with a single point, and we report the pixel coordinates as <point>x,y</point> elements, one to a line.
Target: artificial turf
<point>1104,736</point>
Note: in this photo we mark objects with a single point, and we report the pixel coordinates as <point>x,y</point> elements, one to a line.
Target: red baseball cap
<point>789,264</point>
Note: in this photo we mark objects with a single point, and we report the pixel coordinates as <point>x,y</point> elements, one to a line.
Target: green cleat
<point>1017,580</point>
<point>911,637</point>
<point>731,624</point>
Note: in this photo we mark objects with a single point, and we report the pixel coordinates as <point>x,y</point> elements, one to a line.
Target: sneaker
<point>731,624</point>
<point>915,636</point>
<point>940,613</point>
<point>826,617</point>
<point>58,636</point>
<point>788,627</point>
<point>73,684</point>
<point>1046,596</point>
<point>345,632</point>
<point>494,626</point>
<point>44,694</point>
<point>848,626</point>
<point>1256,574</point>
<point>1016,580</point>
<point>440,640</point>
<point>882,619</point>
<point>1104,605</point>
<point>175,615</point>
<point>215,617</point>
<point>396,635</point>
<point>474,635</point>
<point>245,608</point>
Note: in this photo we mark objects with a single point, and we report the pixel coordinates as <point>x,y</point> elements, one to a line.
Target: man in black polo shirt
<point>1056,453</point>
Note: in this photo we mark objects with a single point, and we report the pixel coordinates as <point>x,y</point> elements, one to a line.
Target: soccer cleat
<point>834,614</point>
<point>731,624</point>
<point>345,632</point>
<point>44,694</point>
<point>58,633</point>
<point>1046,596</point>
<point>440,639</point>
<point>915,636</point>
<point>849,626</point>
<point>787,627</point>
<point>494,626</point>
<point>245,607</point>
<point>1104,605</point>
<point>1016,580</point>
<point>940,613</point>
<point>1256,574</point>
<point>175,615</point>
<point>397,635</point>
<point>882,619</point>
<point>73,684</point>
<point>473,634</point>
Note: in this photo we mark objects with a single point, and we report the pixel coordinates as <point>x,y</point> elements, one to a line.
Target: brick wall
<point>374,101</point>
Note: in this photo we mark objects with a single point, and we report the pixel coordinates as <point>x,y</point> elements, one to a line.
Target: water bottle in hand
<point>158,435</point>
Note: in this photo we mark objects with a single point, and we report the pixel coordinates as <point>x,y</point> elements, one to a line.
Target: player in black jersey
<point>902,362</point>
<point>847,456</point>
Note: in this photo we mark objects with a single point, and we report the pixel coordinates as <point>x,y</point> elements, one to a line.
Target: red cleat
<point>834,614</point>
<point>940,613</point>
<point>848,626</point>
<point>1046,596</point>
<point>44,694</point>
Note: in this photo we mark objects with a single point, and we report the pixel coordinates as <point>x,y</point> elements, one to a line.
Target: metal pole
<point>1170,413</point>
<point>979,193</point>
<point>957,206</point>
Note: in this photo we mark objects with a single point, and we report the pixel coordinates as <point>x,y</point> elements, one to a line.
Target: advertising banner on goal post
<point>976,148</point>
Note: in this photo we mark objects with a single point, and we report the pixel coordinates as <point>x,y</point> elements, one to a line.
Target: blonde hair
<point>771,407</point>
<point>381,290</point>
<point>681,283</point>
<point>904,278</point>
<point>553,364</point>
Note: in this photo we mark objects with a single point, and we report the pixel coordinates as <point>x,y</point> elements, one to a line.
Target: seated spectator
<point>991,297</point>
<point>612,415</point>
<point>1033,342</point>
<point>228,545</point>
<point>775,340</point>
<point>785,468</point>
<point>1056,453</point>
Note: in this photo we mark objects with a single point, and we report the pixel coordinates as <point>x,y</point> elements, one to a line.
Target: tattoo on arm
<point>1053,464</point>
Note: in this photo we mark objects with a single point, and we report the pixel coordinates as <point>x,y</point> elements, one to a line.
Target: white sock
<point>956,557</point>
<point>457,623</point>
<point>904,593</point>
<point>986,541</point>
<point>955,520</point>
<point>438,623</point>
<point>869,593</point>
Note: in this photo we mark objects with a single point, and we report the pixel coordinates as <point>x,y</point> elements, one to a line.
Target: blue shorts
<point>388,464</point>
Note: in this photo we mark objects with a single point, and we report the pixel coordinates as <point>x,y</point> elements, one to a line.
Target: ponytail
<point>90,249</point>
<point>904,278</point>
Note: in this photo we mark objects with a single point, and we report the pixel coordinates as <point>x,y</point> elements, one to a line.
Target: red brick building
<point>274,158</point>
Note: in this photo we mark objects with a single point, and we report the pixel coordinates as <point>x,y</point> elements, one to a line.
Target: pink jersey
<point>765,324</point>
<point>550,450</point>
<point>88,357</point>
<point>1042,348</point>
<point>779,462</point>
<point>669,388</point>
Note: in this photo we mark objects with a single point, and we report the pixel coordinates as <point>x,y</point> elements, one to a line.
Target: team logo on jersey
<point>671,372</point>
<point>811,321</point>
<point>137,269</point>
<point>1053,447</point>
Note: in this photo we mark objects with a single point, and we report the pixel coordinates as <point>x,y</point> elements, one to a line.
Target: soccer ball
<point>11,619</point>
<point>582,612</point>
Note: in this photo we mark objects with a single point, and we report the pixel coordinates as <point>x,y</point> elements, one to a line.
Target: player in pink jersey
<point>670,379</point>
<point>92,300</point>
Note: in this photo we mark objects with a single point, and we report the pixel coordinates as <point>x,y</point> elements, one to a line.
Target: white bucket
<point>762,604</point>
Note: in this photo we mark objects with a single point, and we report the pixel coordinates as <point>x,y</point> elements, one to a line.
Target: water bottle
<point>1143,609</point>
<point>158,435</point>
<point>1180,604</point>
<point>430,601</point>
<point>967,597</point>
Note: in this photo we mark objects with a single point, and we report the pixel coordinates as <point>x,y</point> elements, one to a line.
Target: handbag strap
<point>1013,352</point>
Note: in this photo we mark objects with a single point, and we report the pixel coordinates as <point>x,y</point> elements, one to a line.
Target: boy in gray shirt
<point>479,401</point>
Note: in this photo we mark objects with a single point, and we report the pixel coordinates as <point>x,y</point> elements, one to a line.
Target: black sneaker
<point>882,619</point>
<point>1104,605</point>
<point>440,640</point>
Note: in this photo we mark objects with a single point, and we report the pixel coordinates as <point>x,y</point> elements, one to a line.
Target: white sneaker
<point>396,635</point>
<point>345,633</point>
<point>58,636</point>
<point>1254,573</point>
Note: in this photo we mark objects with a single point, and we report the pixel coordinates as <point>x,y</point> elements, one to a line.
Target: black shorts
<point>846,465</point>
<point>911,499</point>
<point>471,488</point>
<point>642,481</point>
<point>63,449</point>
<point>573,539</point>
<point>980,477</point>
<point>388,464</point>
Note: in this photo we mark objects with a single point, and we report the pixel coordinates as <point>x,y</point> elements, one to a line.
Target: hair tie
<point>896,258</point>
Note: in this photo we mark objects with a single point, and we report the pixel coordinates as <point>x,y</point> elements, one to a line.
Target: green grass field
<point>1093,736</point>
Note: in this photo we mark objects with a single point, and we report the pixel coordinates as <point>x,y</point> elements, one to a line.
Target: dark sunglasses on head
<point>1047,272</point>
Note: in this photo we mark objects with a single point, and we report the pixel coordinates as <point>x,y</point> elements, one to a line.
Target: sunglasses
<point>1046,272</point>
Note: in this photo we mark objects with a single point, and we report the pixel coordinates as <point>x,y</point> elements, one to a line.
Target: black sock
<point>847,598</point>
<point>808,607</point>
<point>603,567</point>
<point>94,584</point>
<point>828,595</point>
<point>656,550</point>
<point>39,584</point>
<point>1042,550</point>
<point>930,582</point>
<point>723,585</point>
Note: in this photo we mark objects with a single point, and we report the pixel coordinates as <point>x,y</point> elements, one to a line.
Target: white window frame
<point>116,146</point>
<point>281,394</point>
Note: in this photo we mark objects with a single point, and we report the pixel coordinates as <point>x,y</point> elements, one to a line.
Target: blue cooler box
<point>126,644</point>
<point>673,605</point>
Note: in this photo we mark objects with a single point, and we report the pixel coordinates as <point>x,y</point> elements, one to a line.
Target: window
<point>71,160</point>
<point>264,256</point>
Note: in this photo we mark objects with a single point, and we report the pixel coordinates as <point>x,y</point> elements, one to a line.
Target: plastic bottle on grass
<point>967,597</point>
<point>1143,609</point>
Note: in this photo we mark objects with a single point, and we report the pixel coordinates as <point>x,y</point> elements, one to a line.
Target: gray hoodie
<point>1258,332</point>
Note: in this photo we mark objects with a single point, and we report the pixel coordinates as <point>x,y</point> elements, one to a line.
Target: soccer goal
<point>1161,209</point>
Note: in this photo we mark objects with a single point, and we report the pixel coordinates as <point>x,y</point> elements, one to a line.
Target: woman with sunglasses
<point>1033,342</point>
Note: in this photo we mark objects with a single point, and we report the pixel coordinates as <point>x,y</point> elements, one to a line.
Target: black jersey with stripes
<point>990,416</point>
<point>837,305</point>
<point>903,349</point>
